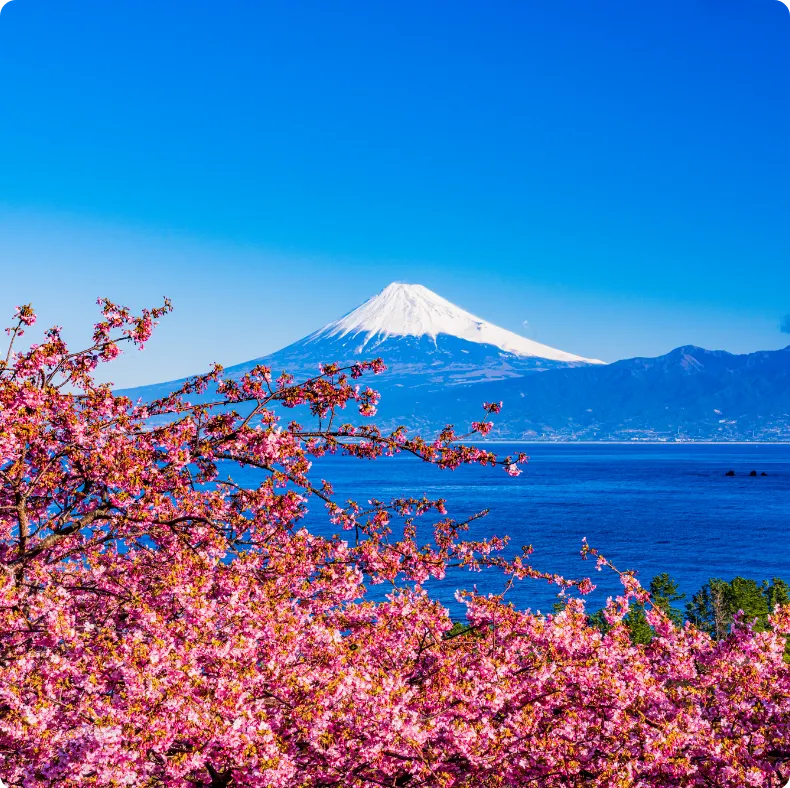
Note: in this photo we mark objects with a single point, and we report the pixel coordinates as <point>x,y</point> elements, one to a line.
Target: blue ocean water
<point>650,508</point>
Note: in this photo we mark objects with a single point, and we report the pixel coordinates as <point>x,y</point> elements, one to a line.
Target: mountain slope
<point>689,393</point>
<point>402,310</point>
<point>424,339</point>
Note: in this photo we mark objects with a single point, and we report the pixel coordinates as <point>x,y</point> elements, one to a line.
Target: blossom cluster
<point>162,625</point>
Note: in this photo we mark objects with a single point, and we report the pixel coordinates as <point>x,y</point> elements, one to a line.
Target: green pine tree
<point>750,599</point>
<point>636,622</point>
<point>777,592</point>
<point>714,607</point>
<point>709,609</point>
<point>664,591</point>
<point>598,621</point>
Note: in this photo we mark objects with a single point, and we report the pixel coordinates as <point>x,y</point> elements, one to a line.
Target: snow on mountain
<point>426,342</point>
<point>403,310</point>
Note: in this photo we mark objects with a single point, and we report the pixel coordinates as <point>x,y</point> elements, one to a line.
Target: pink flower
<point>161,624</point>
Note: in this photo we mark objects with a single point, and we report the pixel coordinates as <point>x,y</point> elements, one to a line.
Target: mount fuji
<point>444,362</point>
<point>424,340</point>
<point>427,343</point>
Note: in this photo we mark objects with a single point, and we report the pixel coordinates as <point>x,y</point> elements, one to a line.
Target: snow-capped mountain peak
<point>413,310</point>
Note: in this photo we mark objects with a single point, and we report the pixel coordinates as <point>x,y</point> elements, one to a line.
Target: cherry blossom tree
<point>162,624</point>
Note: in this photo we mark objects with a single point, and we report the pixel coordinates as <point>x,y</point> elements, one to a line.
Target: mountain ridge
<point>689,393</point>
<point>443,362</point>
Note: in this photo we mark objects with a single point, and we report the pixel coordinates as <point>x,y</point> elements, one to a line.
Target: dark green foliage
<point>636,622</point>
<point>749,597</point>
<point>778,593</point>
<point>714,607</point>
<point>709,608</point>
<point>664,591</point>
<point>598,621</point>
<point>558,606</point>
<point>458,628</point>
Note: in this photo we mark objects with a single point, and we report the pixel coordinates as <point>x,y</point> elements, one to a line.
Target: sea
<point>649,508</point>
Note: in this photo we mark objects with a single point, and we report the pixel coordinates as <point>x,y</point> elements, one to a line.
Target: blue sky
<point>615,173</point>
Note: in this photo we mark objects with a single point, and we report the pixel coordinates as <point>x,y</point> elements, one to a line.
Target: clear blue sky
<point>616,173</point>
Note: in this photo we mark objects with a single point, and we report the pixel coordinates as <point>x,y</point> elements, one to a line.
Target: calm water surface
<point>651,508</point>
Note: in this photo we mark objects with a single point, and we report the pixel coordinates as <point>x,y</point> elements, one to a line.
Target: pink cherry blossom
<point>163,626</point>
